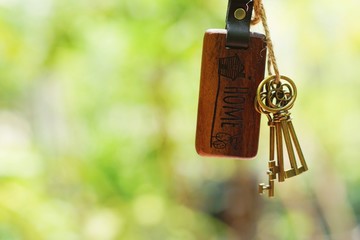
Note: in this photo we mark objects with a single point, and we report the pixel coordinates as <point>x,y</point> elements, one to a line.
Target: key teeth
<point>262,187</point>
<point>294,172</point>
<point>273,170</point>
<point>269,188</point>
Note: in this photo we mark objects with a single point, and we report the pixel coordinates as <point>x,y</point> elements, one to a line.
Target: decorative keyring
<point>274,97</point>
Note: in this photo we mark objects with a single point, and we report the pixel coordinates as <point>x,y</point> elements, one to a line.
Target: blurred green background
<point>98,103</point>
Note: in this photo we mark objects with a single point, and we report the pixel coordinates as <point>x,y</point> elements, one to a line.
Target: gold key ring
<point>275,97</point>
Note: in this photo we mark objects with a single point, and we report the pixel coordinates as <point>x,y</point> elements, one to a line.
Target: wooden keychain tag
<point>228,124</point>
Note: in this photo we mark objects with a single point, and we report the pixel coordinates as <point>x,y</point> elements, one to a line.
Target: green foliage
<point>97,118</point>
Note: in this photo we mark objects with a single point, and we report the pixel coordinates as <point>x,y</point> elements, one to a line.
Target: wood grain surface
<point>228,124</point>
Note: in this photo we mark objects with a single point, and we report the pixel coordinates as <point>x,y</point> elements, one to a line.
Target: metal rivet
<point>240,14</point>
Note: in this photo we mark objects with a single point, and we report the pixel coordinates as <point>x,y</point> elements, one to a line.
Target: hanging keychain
<point>233,65</point>
<point>232,73</point>
<point>275,96</point>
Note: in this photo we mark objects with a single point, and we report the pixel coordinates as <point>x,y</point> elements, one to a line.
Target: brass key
<point>274,100</point>
<point>273,168</point>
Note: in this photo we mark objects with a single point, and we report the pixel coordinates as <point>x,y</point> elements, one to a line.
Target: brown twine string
<point>256,19</point>
<point>261,15</point>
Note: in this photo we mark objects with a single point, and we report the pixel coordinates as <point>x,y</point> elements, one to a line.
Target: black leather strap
<point>238,31</point>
